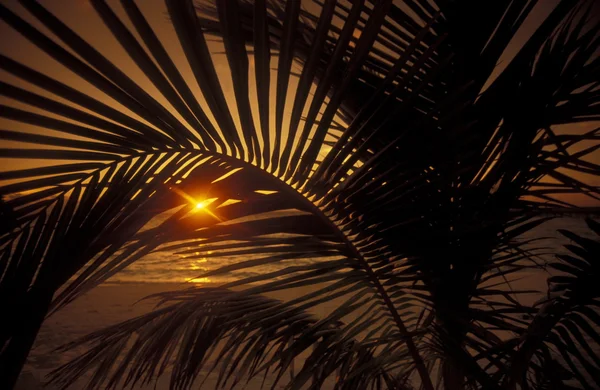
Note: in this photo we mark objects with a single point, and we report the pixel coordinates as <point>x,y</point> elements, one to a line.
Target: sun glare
<point>200,205</point>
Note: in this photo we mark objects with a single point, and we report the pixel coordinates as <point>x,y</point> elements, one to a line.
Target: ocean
<point>164,267</point>
<point>117,300</point>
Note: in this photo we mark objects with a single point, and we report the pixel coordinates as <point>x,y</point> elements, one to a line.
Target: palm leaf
<point>566,320</point>
<point>410,181</point>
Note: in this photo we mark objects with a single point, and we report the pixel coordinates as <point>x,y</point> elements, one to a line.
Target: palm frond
<point>563,333</point>
<point>246,334</point>
<point>400,171</point>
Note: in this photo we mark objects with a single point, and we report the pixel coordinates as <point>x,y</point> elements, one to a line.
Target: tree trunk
<point>32,312</point>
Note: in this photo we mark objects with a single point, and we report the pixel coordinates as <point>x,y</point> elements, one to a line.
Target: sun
<point>202,204</point>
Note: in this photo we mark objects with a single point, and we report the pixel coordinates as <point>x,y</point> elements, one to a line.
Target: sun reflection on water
<point>194,264</point>
<point>198,280</point>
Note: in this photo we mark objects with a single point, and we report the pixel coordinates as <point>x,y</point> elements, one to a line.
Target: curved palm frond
<point>247,334</point>
<point>565,326</point>
<point>404,173</point>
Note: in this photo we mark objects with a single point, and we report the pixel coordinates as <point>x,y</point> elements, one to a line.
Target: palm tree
<point>383,144</point>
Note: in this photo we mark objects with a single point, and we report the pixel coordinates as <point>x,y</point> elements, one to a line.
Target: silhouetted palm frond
<point>247,334</point>
<point>383,161</point>
<point>562,341</point>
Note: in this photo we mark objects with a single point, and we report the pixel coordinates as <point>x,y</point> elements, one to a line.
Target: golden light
<point>198,280</point>
<point>198,205</point>
<point>203,204</point>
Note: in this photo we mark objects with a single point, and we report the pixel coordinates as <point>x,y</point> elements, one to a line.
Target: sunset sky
<point>81,16</point>
<point>391,196</point>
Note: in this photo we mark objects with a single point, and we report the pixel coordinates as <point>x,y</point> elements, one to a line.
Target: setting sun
<point>202,204</point>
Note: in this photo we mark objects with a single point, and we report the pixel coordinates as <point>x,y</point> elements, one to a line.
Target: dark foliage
<point>382,143</point>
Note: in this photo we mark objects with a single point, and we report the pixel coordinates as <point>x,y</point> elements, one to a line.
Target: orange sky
<point>81,17</point>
